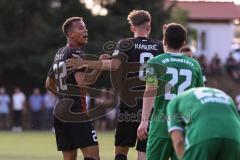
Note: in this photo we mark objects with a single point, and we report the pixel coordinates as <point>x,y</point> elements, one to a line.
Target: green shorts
<point>214,149</point>
<point>160,149</point>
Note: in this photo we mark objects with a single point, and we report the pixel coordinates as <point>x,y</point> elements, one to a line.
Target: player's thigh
<point>91,152</point>
<point>70,155</point>
<point>71,136</point>
<point>230,150</point>
<point>205,150</point>
<point>126,134</point>
<point>159,149</point>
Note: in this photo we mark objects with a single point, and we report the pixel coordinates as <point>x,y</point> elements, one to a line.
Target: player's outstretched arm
<point>178,143</point>
<point>78,62</point>
<point>91,78</point>
<point>51,85</point>
<point>148,101</point>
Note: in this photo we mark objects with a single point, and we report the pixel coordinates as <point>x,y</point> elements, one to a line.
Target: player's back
<point>64,78</point>
<point>134,53</point>
<point>210,114</point>
<point>141,49</point>
<point>176,73</point>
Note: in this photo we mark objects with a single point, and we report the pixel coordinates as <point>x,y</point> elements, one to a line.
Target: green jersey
<point>173,74</point>
<point>204,113</point>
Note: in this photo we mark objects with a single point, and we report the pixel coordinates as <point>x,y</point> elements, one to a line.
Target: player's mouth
<point>85,36</point>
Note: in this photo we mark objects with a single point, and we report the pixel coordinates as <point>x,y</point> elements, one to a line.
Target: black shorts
<point>74,135</point>
<point>126,131</point>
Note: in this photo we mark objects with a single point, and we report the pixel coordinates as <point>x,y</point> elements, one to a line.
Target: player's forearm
<point>92,77</point>
<point>147,108</point>
<point>107,65</point>
<point>179,149</point>
<point>96,65</point>
<point>51,85</point>
<point>178,143</point>
<point>148,101</point>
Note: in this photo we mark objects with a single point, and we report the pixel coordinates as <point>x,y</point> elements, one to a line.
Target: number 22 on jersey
<point>60,73</point>
<point>174,81</point>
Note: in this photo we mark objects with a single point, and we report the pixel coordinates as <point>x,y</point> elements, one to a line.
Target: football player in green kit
<point>211,124</point>
<point>168,75</point>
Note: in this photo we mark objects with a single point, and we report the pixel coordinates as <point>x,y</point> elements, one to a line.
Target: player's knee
<point>120,157</point>
<point>88,158</point>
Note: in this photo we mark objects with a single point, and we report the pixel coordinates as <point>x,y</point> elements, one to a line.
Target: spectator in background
<point>19,105</point>
<point>188,52</point>
<point>4,108</point>
<point>203,62</point>
<point>112,112</point>
<point>49,101</point>
<point>36,106</point>
<point>216,65</point>
<point>232,67</point>
<point>237,99</point>
<point>101,122</point>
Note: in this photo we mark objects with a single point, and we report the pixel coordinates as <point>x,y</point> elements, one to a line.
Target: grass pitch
<point>42,146</point>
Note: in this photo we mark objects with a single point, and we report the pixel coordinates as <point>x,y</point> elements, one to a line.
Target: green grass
<point>42,146</point>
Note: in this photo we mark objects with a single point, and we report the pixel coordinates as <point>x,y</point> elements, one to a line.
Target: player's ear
<point>132,28</point>
<point>70,34</point>
<point>184,43</point>
<point>164,42</point>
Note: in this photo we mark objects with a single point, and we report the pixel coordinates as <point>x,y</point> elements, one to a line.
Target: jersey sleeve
<point>200,78</point>
<point>151,77</point>
<point>234,107</point>
<point>116,50</point>
<point>175,121</point>
<point>122,47</point>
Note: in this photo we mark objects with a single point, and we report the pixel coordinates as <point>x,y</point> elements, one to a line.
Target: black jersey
<point>65,80</point>
<point>129,81</point>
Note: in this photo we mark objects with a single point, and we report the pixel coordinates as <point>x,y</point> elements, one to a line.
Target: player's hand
<point>104,57</point>
<point>75,63</point>
<point>142,130</point>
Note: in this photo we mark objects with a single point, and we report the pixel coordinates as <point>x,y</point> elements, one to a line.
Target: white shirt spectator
<point>238,101</point>
<point>18,101</point>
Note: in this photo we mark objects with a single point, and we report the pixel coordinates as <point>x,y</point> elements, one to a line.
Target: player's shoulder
<point>155,41</point>
<point>188,94</point>
<point>161,56</point>
<point>125,40</point>
<point>158,58</point>
<point>125,44</point>
<point>70,51</point>
<point>194,61</point>
<point>191,59</point>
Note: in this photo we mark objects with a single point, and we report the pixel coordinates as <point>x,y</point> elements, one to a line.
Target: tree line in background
<point>30,33</point>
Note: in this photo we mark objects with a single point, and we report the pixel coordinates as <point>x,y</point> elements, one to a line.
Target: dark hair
<point>174,35</point>
<point>68,23</point>
<point>185,49</point>
<point>138,17</point>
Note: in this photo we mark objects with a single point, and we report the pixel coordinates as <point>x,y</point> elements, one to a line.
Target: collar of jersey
<point>175,54</point>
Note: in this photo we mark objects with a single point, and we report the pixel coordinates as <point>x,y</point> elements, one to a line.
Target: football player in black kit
<point>73,135</point>
<point>129,58</point>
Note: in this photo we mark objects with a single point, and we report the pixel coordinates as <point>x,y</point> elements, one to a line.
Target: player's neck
<point>140,34</point>
<point>169,50</point>
<point>73,44</point>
